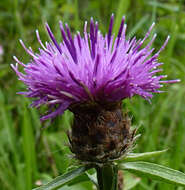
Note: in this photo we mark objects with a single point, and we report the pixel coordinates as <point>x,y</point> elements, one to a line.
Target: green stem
<point>107,176</point>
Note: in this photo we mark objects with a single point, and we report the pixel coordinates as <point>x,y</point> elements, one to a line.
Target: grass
<point>29,154</point>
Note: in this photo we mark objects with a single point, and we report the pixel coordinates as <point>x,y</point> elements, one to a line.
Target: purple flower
<point>93,68</point>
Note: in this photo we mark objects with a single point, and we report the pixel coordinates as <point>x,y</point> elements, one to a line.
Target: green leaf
<point>64,179</point>
<point>80,179</point>
<point>93,178</point>
<point>88,175</point>
<point>28,147</point>
<point>132,157</point>
<point>155,171</point>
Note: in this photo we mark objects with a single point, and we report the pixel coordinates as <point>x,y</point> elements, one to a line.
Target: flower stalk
<point>107,176</point>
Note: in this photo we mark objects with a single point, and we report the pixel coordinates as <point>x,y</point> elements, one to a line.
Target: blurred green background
<point>31,155</point>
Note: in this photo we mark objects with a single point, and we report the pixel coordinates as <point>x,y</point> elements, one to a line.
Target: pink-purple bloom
<point>90,68</point>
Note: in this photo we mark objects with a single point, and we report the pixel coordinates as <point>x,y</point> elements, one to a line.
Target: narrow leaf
<point>132,157</point>
<point>93,178</point>
<point>28,147</point>
<point>63,179</point>
<point>155,171</point>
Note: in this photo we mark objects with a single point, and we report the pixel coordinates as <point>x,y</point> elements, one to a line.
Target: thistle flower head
<point>92,67</point>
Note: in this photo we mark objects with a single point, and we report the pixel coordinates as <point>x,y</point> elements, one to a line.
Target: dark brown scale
<point>100,133</point>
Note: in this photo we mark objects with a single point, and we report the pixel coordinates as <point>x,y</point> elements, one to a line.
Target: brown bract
<point>100,132</point>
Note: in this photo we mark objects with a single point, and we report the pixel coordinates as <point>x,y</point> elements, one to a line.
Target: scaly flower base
<point>100,132</point>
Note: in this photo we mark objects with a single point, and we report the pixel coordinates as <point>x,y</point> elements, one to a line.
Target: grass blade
<point>121,10</point>
<point>28,147</point>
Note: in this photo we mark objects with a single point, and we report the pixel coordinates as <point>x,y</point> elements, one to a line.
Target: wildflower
<point>92,68</point>
<point>90,75</point>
